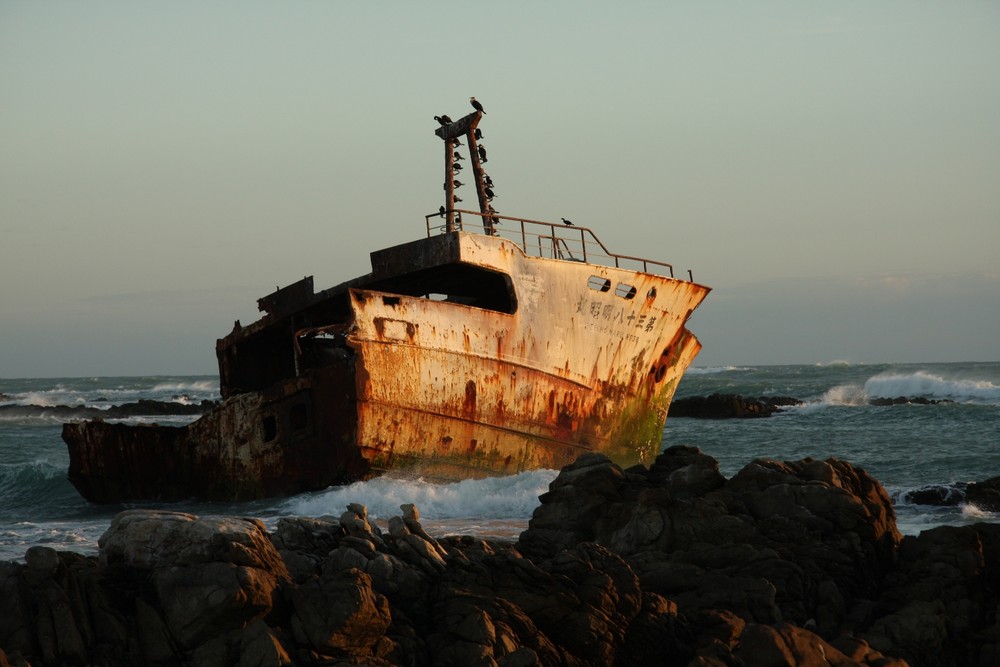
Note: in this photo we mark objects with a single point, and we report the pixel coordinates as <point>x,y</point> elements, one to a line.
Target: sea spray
<point>927,385</point>
<point>903,446</point>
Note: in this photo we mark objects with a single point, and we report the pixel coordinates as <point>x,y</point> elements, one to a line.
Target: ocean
<point>951,440</point>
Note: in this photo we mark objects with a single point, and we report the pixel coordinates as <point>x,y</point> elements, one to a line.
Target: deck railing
<point>546,239</point>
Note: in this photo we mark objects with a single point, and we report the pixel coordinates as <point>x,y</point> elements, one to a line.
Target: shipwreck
<point>494,345</point>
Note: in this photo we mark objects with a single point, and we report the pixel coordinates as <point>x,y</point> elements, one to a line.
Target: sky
<point>831,170</point>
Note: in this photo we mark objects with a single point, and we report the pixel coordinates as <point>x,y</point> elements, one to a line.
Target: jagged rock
<point>985,495</point>
<point>339,613</point>
<point>787,563</point>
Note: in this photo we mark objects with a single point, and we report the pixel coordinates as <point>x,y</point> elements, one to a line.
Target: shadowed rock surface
<point>787,563</point>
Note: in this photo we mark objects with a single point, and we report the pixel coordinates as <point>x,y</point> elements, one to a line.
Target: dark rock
<point>908,400</point>
<point>729,406</point>
<point>787,563</point>
<point>937,495</point>
<point>985,495</point>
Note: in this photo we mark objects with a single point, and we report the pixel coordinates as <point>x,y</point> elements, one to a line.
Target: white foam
<point>970,511</point>
<point>845,394</point>
<point>513,497</point>
<point>199,386</point>
<point>928,385</point>
<point>836,363</point>
<point>714,370</point>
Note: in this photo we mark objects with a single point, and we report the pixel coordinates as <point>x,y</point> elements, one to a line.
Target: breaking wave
<point>918,384</point>
<point>845,394</point>
<point>928,385</point>
<point>210,387</point>
<point>512,497</point>
<point>713,370</point>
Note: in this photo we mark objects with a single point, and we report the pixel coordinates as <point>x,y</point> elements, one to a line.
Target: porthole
<point>599,284</point>
<point>625,291</point>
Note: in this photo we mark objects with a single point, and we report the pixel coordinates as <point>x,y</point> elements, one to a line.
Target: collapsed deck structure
<point>487,348</point>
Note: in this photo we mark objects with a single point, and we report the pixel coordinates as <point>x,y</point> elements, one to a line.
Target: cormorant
<point>441,211</point>
<point>457,183</point>
<point>456,167</point>
<point>446,119</point>
<point>489,193</point>
<point>456,143</point>
<point>479,133</point>
<point>476,105</point>
<point>443,120</point>
<point>566,222</point>
<point>456,198</point>
<point>482,154</point>
<point>458,156</point>
<point>487,180</point>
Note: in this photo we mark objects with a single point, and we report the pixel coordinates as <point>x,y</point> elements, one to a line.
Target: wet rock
<point>937,495</point>
<point>786,563</point>
<point>985,495</point>
<point>729,406</point>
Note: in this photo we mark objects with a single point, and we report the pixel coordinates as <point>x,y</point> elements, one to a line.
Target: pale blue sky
<point>832,170</point>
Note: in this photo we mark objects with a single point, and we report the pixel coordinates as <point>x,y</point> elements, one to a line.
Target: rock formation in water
<point>787,563</point>
<point>141,408</point>
<point>736,406</point>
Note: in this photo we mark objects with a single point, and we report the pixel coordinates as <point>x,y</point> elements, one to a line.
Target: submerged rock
<point>786,563</point>
<point>729,406</point>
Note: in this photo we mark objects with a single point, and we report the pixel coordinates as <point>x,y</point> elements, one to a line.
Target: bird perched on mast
<point>476,105</point>
<point>566,222</point>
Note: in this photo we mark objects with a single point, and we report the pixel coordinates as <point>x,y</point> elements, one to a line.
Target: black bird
<point>476,105</point>
<point>456,143</point>
<point>566,222</point>
<point>456,167</point>
<point>446,120</point>
<point>441,211</point>
<point>456,198</point>
<point>441,120</point>
<point>489,193</point>
<point>487,180</point>
<point>457,183</point>
<point>458,156</point>
<point>482,154</point>
<point>479,133</point>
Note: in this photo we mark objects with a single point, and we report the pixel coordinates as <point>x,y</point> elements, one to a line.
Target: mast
<point>465,126</point>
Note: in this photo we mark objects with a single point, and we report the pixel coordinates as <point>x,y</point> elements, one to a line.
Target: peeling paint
<point>459,356</point>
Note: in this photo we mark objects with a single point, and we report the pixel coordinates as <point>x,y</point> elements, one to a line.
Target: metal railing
<point>546,239</point>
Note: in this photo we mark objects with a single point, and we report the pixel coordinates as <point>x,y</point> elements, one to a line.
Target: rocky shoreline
<point>785,563</point>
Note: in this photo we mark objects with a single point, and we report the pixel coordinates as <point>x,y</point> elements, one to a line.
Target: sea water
<point>947,443</point>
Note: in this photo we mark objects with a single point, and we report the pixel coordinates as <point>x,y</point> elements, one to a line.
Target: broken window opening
<point>298,417</point>
<point>270,425</point>
<point>464,284</point>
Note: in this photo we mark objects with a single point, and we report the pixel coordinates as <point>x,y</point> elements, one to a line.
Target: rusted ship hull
<point>461,355</point>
